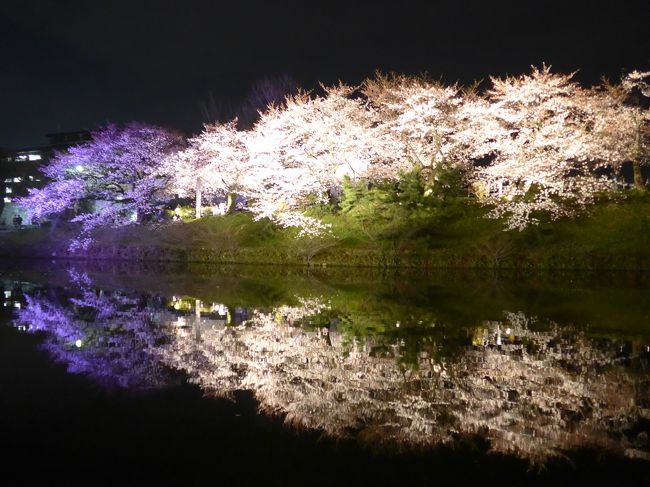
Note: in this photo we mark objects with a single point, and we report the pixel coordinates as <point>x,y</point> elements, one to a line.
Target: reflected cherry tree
<point>532,388</point>
<point>532,393</point>
<point>107,336</point>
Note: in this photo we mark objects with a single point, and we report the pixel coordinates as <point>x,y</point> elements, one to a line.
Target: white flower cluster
<point>531,145</point>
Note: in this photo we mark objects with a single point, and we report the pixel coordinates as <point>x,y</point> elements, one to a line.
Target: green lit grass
<point>454,233</point>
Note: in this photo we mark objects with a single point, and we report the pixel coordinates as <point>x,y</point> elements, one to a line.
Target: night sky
<point>77,64</point>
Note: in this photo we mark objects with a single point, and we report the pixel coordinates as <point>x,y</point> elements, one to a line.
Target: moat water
<point>182,374</point>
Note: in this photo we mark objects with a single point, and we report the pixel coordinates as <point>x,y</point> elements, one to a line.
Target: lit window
<point>21,157</point>
<point>31,178</point>
<point>7,294</point>
<point>18,180</point>
<point>7,200</point>
<point>7,180</point>
<point>34,157</point>
<point>17,305</point>
<point>8,190</point>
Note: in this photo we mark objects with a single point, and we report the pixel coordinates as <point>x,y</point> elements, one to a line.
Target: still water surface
<point>384,369</point>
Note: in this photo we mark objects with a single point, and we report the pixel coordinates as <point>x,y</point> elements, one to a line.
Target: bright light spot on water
<point>79,168</point>
<point>78,343</point>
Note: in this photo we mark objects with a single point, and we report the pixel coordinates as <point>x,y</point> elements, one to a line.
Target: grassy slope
<point>613,235</point>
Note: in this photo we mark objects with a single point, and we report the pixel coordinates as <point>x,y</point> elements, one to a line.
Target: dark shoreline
<point>445,258</point>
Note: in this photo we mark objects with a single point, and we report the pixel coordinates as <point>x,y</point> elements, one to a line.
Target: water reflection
<point>532,386</point>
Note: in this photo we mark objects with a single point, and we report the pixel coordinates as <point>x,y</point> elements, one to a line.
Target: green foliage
<point>416,206</point>
<point>368,204</point>
<point>388,225</point>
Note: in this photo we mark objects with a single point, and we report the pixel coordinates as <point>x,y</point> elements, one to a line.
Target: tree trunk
<point>639,183</point>
<point>230,202</point>
<point>636,164</point>
<point>197,319</point>
<point>198,198</point>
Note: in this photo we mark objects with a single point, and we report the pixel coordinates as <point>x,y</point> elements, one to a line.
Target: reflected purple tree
<point>107,336</point>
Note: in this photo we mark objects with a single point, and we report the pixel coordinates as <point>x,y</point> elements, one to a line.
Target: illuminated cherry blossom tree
<point>300,152</point>
<point>115,172</point>
<point>538,130</point>
<point>428,119</point>
<point>533,146</point>
<point>214,163</point>
<point>539,141</point>
<point>621,124</point>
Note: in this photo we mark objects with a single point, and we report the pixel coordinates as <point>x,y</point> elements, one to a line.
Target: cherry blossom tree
<point>429,119</point>
<point>532,145</point>
<point>538,129</point>
<point>621,123</point>
<point>300,152</point>
<point>214,163</point>
<point>115,172</point>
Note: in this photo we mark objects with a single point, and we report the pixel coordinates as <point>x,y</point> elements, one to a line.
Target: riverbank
<point>614,235</point>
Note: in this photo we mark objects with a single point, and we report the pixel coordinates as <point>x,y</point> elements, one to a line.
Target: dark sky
<point>69,65</point>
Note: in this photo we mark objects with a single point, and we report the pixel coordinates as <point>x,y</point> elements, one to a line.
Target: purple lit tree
<point>109,180</point>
